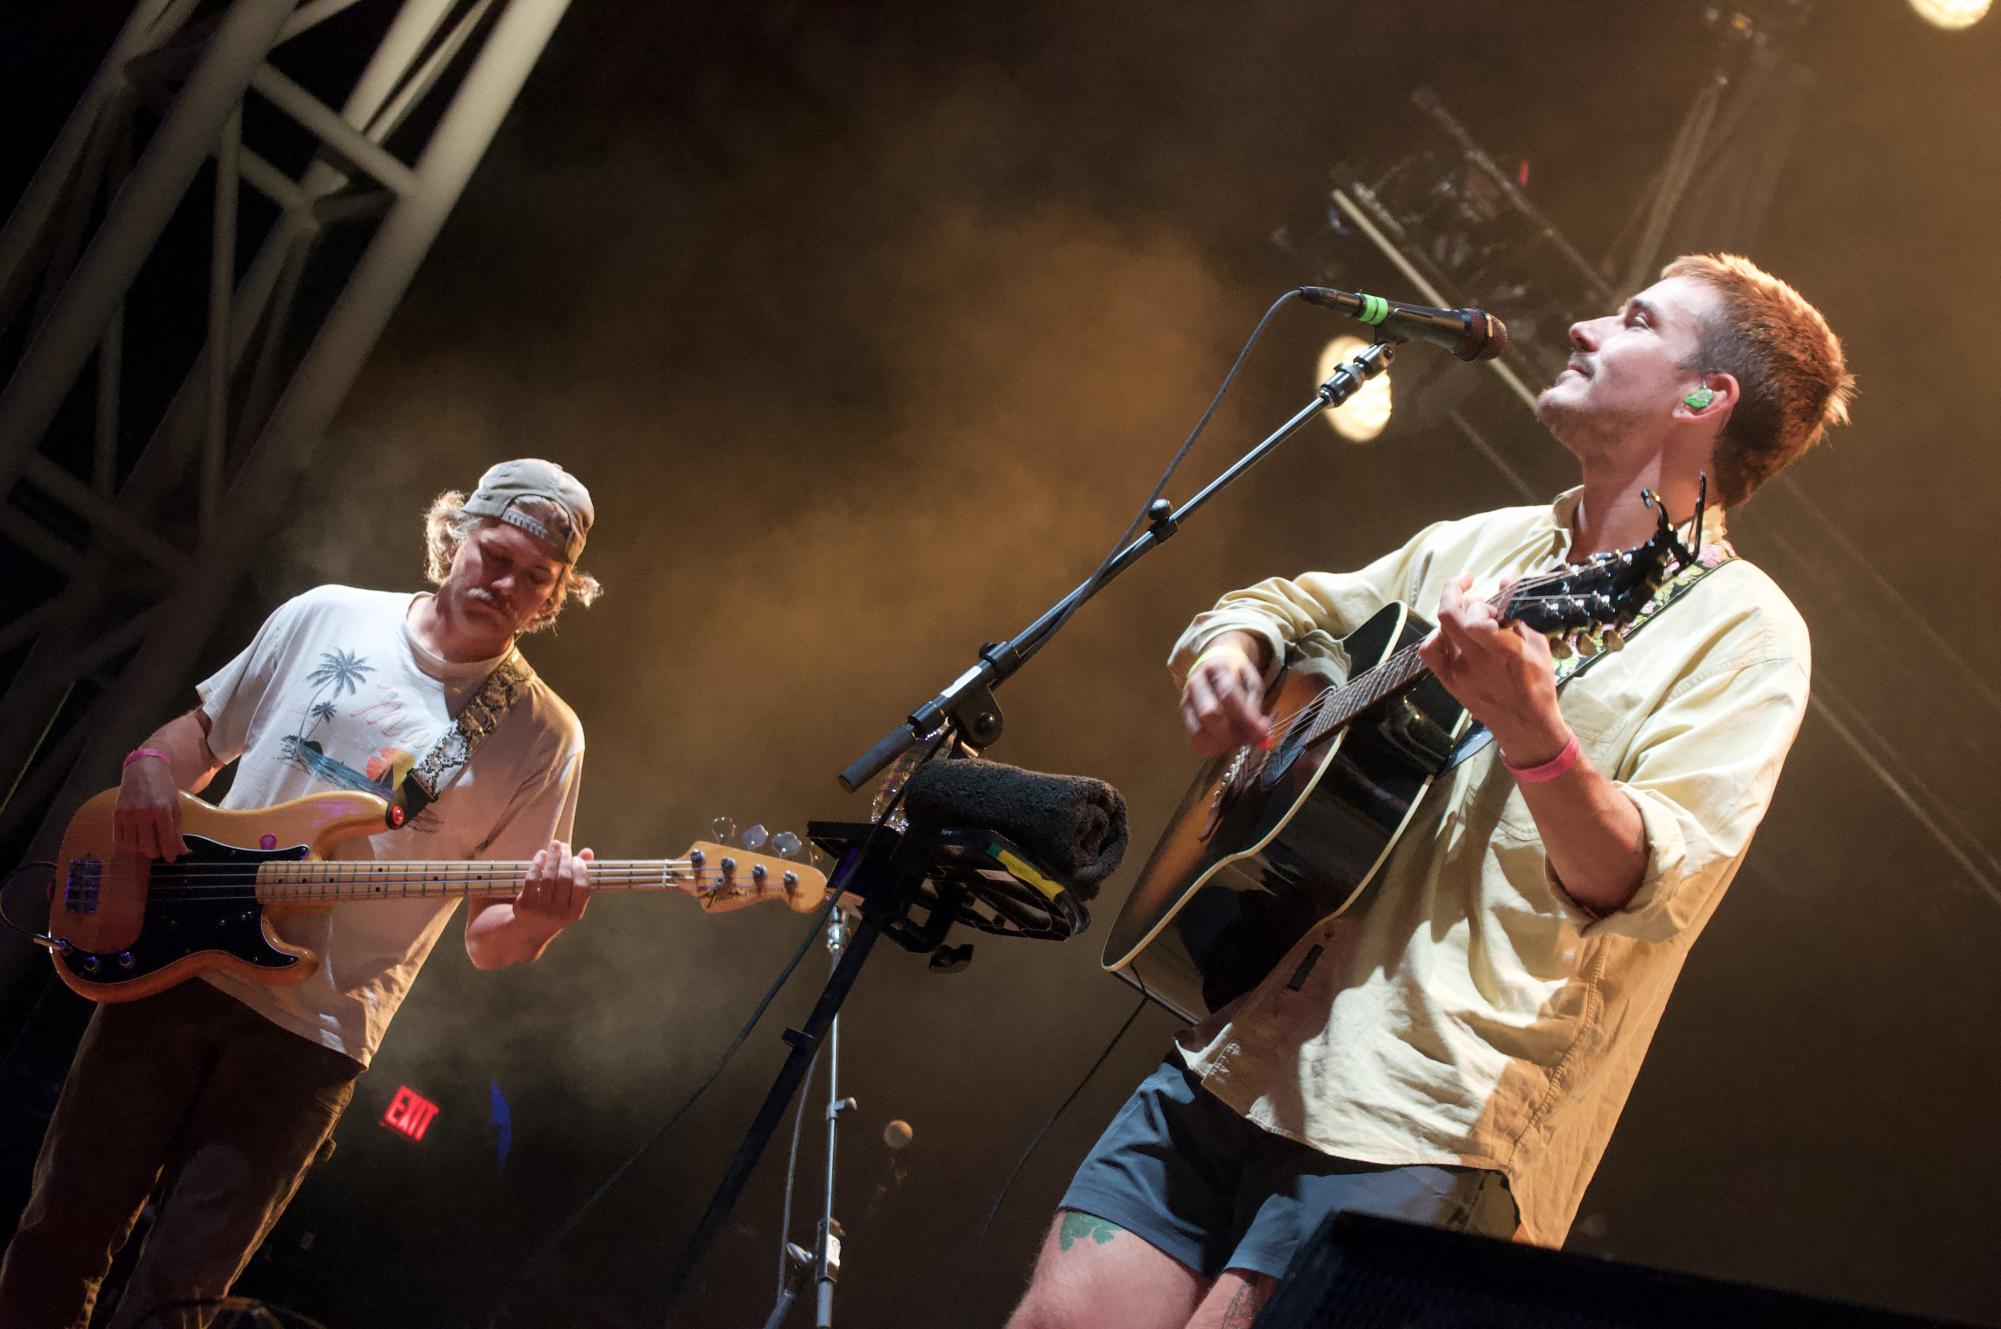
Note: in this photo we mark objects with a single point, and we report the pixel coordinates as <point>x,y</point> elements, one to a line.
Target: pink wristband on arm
<point>136,753</point>
<point>1550,769</point>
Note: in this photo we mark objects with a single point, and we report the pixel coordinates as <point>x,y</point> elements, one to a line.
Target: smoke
<point>843,420</point>
<point>869,329</point>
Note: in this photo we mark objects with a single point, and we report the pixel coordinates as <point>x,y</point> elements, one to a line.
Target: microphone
<point>1470,334</point>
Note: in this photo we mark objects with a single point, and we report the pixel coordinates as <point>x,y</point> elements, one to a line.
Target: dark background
<point>870,325</point>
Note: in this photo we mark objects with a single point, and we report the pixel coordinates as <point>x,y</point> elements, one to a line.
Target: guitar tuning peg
<point>754,836</point>
<point>786,845</point>
<point>1560,648</point>
<point>1587,646</point>
<point>723,829</point>
<point>1613,639</point>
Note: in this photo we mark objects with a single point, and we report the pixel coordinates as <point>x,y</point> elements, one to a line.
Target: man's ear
<point>1712,399</point>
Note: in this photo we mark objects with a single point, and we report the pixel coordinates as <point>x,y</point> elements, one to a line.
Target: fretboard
<point>326,881</point>
<point>1338,705</point>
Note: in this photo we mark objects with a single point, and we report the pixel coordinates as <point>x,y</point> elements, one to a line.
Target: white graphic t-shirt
<point>335,693</point>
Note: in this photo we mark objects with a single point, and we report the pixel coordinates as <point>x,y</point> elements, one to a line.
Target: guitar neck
<point>1338,705</point>
<point>1392,674</point>
<point>320,881</point>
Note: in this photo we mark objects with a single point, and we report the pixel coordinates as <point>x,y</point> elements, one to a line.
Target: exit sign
<point>410,1113</point>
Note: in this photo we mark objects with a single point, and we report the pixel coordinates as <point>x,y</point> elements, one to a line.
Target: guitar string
<point>695,890</point>
<point>313,871</point>
<point>1524,591</point>
<point>1398,660</point>
<point>1340,701</point>
<point>212,883</point>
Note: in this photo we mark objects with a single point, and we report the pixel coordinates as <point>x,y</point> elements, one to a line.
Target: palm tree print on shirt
<point>339,674</point>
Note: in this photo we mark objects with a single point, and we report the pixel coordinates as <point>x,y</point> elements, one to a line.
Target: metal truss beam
<point>138,530</point>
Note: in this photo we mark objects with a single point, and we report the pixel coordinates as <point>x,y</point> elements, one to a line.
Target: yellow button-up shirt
<point>1465,1011</point>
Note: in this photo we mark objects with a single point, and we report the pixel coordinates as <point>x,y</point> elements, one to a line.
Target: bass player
<point>233,1087</point>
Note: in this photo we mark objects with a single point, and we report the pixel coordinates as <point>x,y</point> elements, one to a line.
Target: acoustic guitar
<point>125,925</point>
<point>1268,844</point>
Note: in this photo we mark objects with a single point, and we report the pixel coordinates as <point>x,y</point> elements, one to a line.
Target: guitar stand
<point>948,876</point>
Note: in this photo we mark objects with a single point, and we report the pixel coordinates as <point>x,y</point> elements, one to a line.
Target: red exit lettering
<point>410,1113</point>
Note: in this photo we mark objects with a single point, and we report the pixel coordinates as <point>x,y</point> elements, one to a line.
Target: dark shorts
<point>1184,1173</point>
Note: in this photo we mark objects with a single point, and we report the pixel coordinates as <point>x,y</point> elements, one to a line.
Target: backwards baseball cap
<point>503,487</point>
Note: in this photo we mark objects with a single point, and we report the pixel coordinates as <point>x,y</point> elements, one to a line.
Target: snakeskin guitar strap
<point>477,719</point>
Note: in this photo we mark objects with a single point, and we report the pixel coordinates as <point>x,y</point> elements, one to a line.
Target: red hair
<point>1792,377</point>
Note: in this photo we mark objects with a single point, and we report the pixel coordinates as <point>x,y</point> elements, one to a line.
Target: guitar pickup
<point>80,886</point>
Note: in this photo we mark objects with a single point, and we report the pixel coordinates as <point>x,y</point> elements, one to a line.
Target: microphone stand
<point>823,1263</point>
<point>968,702</point>
<point>890,876</point>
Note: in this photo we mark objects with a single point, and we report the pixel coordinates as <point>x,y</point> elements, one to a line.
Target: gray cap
<point>505,485</point>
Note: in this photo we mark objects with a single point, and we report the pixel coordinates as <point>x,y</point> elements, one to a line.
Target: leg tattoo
<point>1243,1308</point>
<point>1075,1227</point>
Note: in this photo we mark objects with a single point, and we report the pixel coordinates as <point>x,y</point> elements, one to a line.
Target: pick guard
<point>203,904</point>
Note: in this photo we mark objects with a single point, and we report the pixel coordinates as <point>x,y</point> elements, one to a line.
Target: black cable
<point>1084,593</point>
<point>262,1314</point>
<point>697,1243</point>
<point>1092,582</point>
<point>6,884</point>
<point>792,1174</point>
<point>569,1224</point>
<point>839,886</point>
<point>1061,1108</point>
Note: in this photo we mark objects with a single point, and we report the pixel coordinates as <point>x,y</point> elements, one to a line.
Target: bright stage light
<point>1363,415</point>
<point>1952,13</point>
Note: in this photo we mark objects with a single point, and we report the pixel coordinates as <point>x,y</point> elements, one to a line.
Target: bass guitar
<point>1270,843</point>
<point>123,925</point>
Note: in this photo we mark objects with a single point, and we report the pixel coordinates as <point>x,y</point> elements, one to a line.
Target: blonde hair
<point>1793,380</point>
<point>447,524</point>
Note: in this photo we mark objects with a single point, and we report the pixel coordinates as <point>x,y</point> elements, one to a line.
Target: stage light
<point>1363,415</point>
<point>1952,13</point>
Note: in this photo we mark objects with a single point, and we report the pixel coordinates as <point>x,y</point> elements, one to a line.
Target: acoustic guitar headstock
<point>1588,607</point>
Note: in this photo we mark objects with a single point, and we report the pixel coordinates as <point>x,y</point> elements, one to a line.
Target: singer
<point>1456,1048</point>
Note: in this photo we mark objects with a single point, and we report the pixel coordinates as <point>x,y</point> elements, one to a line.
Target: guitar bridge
<point>81,885</point>
<point>1227,788</point>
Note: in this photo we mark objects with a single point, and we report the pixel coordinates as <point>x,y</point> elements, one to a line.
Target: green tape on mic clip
<point>1374,309</point>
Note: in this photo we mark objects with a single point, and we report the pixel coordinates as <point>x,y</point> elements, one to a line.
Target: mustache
<point>484,596</point>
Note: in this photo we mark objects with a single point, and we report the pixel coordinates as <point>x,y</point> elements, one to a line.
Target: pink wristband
<point>137,753</point>
<point>1550,769</point>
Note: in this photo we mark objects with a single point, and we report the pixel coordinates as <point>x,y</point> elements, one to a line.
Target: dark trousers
<point>188,1081</point>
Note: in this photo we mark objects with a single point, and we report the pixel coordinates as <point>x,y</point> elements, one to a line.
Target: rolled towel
<point>1071,824</point>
